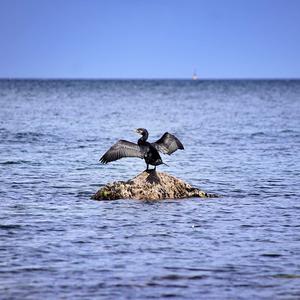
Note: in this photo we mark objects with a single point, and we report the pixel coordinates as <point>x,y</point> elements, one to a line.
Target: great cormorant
<point>167,144</point>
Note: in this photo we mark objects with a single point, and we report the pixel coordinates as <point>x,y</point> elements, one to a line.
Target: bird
<point>167,144</point>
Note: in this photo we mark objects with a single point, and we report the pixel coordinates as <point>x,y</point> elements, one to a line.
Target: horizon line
<point>149,78</point>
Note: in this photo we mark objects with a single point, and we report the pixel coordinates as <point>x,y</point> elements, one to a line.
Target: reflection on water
<point>241,140</point>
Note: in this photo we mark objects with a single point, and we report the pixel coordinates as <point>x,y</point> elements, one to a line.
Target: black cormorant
<point>167,144</point>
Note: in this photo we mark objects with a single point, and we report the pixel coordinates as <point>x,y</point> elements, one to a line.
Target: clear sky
<point>149,38</point>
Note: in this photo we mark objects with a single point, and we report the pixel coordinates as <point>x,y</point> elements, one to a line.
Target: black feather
<point>168,144</point>
<point>122,149</point>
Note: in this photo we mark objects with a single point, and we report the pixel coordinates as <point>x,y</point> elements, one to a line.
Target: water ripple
<point>240,141</point>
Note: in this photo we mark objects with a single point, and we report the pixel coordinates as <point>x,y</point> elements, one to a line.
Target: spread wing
<point>121,149</point>
<point>168,144</point>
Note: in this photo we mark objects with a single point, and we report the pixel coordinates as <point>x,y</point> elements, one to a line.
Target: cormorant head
<point>142,131</point>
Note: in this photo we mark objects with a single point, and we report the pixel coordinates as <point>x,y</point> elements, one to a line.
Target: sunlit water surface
<point>241,140</point>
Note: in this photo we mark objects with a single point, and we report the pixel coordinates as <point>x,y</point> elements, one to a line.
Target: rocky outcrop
<point>150,185</point>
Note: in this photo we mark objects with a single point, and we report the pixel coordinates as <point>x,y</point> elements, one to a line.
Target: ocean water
<point>242,141</point>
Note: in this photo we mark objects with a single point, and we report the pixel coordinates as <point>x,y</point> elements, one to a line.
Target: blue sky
<point>149,38</point>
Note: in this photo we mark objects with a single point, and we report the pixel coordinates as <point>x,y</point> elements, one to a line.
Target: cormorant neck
<point>144,136</point>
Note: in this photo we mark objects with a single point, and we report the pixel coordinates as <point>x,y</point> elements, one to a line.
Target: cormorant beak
<point>136,131</point>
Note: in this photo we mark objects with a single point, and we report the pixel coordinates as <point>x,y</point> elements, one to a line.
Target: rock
<point>150,185</point>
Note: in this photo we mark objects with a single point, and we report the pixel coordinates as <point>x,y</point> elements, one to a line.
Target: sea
<point>242,142</point>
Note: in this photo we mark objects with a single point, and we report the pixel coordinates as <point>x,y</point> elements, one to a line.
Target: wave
<point>14,162</point>
<point>27,136</point>
<point>276,134</point>
<point>259,133</point>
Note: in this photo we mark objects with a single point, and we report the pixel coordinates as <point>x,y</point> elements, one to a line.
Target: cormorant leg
<point>147,167</point>
<point>154,168</point>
